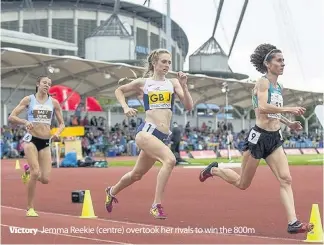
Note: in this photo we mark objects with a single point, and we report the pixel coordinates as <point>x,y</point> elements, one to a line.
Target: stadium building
<point>90,29</point>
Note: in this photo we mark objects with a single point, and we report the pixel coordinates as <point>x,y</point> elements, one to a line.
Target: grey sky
<point>295,26</point>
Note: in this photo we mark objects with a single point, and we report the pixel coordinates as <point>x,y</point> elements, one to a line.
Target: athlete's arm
<point>59,116</point>
<point>285,120</point>
<point>264,107</point>
<point>183,94</point>
<point>13,117</point>
<point>133,87</point>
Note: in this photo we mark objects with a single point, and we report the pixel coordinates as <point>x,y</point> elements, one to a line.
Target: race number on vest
<point>276,100</point>
<point>42,114</point>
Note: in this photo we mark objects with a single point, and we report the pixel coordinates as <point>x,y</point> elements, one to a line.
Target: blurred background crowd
<point>119,139</point>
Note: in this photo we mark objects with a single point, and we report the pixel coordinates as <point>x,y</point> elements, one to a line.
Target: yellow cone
<point>316,235</point>
<point>17,164</point>
<point>87,207</point>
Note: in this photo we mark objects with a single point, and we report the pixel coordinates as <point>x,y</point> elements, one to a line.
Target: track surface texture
<point>256,214</point>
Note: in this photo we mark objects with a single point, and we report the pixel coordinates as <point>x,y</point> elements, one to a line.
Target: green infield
<point>292,160</point>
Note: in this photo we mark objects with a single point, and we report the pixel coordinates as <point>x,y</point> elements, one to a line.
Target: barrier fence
<point>236,153</point>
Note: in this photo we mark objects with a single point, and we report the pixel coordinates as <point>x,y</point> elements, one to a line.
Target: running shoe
<point>205,173</point>
<point>157,212</point>
<point>31,213</point>
<point>109,200</point>
<point>26,175</point>
<point>299,227</point>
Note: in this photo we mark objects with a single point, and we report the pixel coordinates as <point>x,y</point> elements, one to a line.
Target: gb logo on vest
<point>159,99</point>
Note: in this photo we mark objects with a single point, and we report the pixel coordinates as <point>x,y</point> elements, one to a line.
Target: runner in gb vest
<point>154,133</point>
<point>40,109</point>
<point>265,140</point>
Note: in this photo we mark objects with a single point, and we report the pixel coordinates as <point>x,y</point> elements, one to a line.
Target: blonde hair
<point>154,56</point>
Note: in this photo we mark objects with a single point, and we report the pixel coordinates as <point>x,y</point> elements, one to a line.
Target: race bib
<point>148,127</point>
<point>276,100</point>
<point>27,137</point>
<point>254,136</point>
<point>42,114</point>
<point>159,99</point>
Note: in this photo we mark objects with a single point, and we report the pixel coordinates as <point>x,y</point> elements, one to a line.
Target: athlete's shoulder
<point>174,81</point>
<point>27,99</point>
<point>138,82</point>
<point>263,82</point>
<point>55,102</point>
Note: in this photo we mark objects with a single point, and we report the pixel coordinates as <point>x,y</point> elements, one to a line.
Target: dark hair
<point>264,52</point>
<point>38,80</point>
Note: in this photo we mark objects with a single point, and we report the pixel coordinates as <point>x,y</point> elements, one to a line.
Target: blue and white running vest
<point>158,95</point>
<point>40,113</point>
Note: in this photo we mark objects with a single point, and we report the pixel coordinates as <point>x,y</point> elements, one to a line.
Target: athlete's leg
<point>159,151</point>
<point>242,180</point>
<point>45,164</point>
<point>278,163</point>
<point>31,154</point>
<point>143,164</point>
<point>152,149</point>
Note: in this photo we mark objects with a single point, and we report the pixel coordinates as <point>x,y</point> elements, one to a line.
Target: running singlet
<point>274,98</point>
<point>158,95</point>
<point>40,113</point>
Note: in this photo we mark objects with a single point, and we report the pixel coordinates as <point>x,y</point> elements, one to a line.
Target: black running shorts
<point>262,143</point>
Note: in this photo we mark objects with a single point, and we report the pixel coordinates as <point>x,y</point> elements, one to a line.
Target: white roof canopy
<point>33,40</point>
<point>19,70</point>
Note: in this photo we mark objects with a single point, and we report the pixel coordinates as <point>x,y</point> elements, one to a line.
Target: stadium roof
<point>111,27</point>
<point>19,70</point>
<point>210,47</point>
<point>141,11</point>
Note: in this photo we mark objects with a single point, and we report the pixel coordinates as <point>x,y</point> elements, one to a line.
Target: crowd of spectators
<point>119,139</point>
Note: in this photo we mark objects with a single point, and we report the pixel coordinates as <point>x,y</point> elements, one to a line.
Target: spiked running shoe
<point>109,200</point>
<point>31,213</point>
<point>157,212</point>
<point>299,227</point>
<point>205,173</point>
<point>26,175</point>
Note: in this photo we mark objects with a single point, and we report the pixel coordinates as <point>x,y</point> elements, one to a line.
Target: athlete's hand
<point>296,125</point>
<point>182,77</point>
<point>298,111</point>
<point>55,138</point>
<point>29,126</point>
<point>130,112</point>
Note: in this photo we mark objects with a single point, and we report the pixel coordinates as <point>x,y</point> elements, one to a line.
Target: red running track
<point>188,203</point>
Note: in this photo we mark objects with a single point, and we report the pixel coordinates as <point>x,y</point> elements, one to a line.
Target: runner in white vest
<point>153,134</point>
<point>40,109</point>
